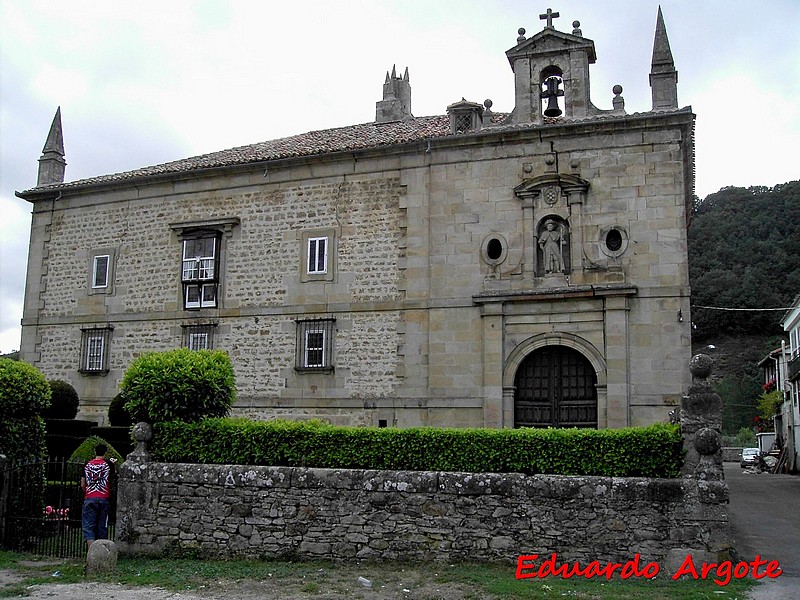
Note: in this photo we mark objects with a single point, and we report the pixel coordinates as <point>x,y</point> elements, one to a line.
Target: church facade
<point>471,269</point>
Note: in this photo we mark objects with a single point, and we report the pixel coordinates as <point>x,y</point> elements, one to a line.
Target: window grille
<point>199,337</point>
<point>95,344</point>
<point>463,122</point>
<point>315,344</point>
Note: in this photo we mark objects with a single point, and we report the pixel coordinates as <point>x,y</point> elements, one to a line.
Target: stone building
<point>476,268</point>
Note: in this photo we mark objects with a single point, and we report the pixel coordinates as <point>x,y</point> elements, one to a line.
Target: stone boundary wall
<point>732,454</point>
<point>293,512</point>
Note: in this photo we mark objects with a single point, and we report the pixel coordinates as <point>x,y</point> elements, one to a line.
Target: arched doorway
<point>555,386</point>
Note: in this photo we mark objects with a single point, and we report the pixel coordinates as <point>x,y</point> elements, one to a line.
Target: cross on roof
<point>549,15</point>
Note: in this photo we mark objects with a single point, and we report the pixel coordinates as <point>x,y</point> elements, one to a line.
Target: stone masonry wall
<point>258,511</point>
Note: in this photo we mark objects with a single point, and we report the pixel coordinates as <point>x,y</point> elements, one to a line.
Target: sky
<point>146,82</point>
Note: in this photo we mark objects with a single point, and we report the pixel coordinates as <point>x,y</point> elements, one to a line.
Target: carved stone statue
<point>552,241</point>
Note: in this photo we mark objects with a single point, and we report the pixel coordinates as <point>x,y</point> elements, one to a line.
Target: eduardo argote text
<point>530,567</point>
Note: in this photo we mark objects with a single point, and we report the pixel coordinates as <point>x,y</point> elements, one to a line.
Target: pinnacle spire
<point>52,164</point>
<point>55,139</point>
<point>663,76</point>
<point>662,55</point>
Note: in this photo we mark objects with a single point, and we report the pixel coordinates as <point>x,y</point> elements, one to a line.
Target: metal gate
<point>40,509</point>
<point>556,386</point>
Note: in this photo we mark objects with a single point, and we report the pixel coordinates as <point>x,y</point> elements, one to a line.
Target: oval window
<point>614,240</point>
<point>494,249</point>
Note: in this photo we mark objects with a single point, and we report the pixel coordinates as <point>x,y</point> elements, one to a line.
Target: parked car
<point>750,457</point>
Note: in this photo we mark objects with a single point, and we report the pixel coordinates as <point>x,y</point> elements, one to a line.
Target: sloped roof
<point>320,143</point>
<point>313,143</point>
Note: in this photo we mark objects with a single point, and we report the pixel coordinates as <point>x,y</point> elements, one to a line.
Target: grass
<point>307,579</point>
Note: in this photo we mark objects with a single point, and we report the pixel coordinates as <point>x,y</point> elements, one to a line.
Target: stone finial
<point>52,165</point>
<point>576,28</point>
<point>520,35</point>
<point>618,102</point>
<point>142,433</point>
<point>701,366</point>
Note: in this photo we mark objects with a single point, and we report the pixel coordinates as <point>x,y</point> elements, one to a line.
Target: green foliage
<point>64,401</point>
<point>654,451</point>
<point>23,390</point>
<point>22,439</point>
<point>769,403</point>
<point>85,452</point>
<point>24,394</point>
<point>743,249</point>
<point>117,415</point>
<point>185,385</point>
<point>739,407</point>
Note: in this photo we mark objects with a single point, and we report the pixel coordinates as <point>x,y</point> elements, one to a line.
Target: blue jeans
<point>94,519</point>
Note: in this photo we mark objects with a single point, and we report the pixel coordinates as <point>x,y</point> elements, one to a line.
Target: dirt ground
<point>406,584</point>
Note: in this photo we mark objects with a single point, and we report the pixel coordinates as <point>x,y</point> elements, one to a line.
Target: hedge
<point>654,451</point>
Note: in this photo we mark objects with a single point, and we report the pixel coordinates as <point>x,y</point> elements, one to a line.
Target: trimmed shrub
<point>185,385</point>
<point>117,415</point>
<point>64,401</point>
<point>85,452</point>
<point>654,451</point>
<point>24,394</point>
<point>24,391</point>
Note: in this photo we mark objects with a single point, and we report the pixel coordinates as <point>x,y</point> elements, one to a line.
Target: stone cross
<point>549,15</point>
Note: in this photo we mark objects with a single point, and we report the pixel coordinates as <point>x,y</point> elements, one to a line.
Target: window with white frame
<point>200,271</point>
<point>100,271</point>
<point>315,344</point>
<point>100,275</point>
<point>94,349</point>
<point>318,255</point>
<point>199,337</point>
<point>317,262</point>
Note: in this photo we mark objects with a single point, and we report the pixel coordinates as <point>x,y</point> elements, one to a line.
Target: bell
<point>552,107</point>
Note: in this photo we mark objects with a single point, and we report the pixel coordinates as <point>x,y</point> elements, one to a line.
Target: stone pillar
<point>701,424</point>
<point>492,339</point>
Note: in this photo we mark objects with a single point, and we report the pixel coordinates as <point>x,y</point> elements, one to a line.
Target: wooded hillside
<point>744,252</point>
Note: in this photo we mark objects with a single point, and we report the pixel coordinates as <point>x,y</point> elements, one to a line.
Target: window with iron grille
<point>200,270</point>
<point>315,345</point>
<point>463,122</point>
<point>199,337</point>
<point>95,344</point>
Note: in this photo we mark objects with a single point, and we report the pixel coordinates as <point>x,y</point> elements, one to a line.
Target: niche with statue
<point>552,247</point>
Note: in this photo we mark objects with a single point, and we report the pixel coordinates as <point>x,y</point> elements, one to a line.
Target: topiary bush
<point>654,451</point>
<point>184,385</point>
<point>64,401</point>
<point>85,452</point>
<point>117,415</point>
<point>24,394</point>
<point>24,391</point>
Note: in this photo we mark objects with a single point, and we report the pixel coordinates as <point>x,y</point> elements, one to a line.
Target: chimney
<point>396,103</point>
